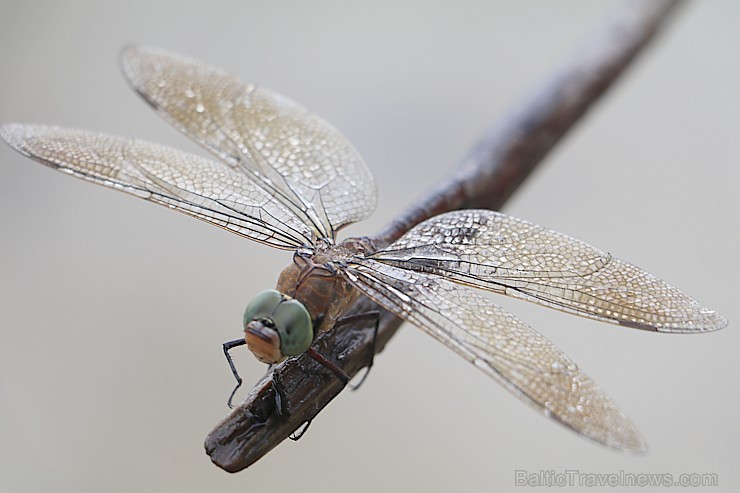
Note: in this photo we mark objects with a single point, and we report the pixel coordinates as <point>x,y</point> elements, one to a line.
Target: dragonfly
<point>284,177</point>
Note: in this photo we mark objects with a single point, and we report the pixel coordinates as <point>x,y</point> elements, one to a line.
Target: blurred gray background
<point>112,310</point>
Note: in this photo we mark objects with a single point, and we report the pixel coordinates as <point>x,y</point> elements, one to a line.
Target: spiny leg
<point>227,347</point>
<point>280,410</point>
<point>297,436</point>
<point>277,386</point>
<point>319,358</point>
<point>370,315</point>
<point>323,361</point>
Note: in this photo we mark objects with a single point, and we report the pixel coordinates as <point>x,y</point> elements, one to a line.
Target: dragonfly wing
<point>294,154</point>
<point>493,251</point>
<point>501,345</point>
<point>202,188</point>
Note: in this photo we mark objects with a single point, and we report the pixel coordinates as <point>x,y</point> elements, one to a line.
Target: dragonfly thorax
<point>314,279</point>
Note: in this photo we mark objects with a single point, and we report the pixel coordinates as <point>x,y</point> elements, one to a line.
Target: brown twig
<point>494,169</point>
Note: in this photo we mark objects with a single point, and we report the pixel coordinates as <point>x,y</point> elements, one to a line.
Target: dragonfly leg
<point>227,347</point>
<point>323,361</point>
<point>373,315</point>
<point>279,391</point>
<point>277,386</point>
<point>281,411</point>
<point>298,434</point>
<point>338,372</point>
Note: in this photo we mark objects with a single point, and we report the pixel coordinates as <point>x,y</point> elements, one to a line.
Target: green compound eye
<point>262,306</point>
<point>294,325</point>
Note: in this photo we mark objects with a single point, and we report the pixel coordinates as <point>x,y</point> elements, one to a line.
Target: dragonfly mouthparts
<point>263,341</point>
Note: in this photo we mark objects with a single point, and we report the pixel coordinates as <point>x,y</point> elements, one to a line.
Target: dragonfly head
<point>276,326</point>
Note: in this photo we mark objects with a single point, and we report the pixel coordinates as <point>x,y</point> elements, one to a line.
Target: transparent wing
<point>493,251</point>
<point>501,345</point>
<point>199,187</point>
<point>295,155</point>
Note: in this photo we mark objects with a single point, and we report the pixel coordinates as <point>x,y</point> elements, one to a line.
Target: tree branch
<point>486,178</point>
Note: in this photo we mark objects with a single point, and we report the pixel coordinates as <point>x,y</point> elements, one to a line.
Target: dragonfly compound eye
<point>294,325</point>
<point>262,306</point>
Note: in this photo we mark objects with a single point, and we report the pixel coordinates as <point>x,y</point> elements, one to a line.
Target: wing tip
<point>135,62</point>
<point>33,140</point>
<point>131,52</point>
<point>707,321</point>
<point>9,132</point>
<point>129,48</point>
<point>135,58</point>
<point>720,322</point>
<point>711,321</point>
<point>628,440</point>
<point>129,58</point>
<point>142,68</point>
<point>621,435</point>
<point>17,135</point>
<point>617,431</point>
<point>637,448</point>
